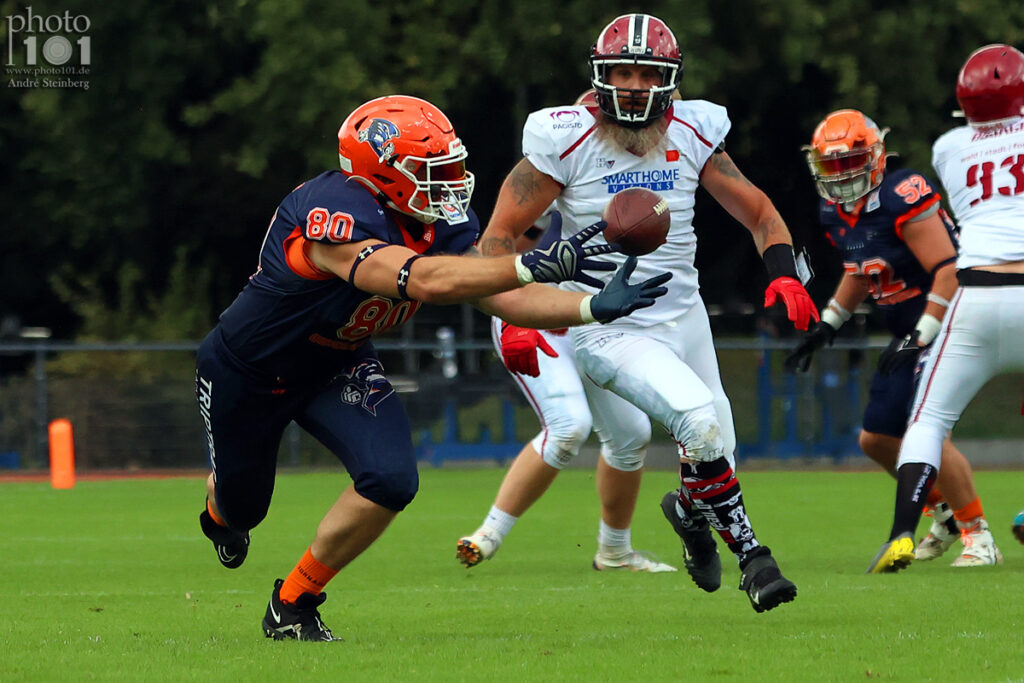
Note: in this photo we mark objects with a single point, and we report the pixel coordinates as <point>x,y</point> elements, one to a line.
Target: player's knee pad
<point>699,434</point>
<point>562,439</point>
<point>723,409</point>
<point>627,455</point>
<point>393,489</point>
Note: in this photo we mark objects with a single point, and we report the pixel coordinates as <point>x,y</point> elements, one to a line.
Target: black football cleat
<point>764,584</point>
<point>700,551</point>
<point>231,546</point>
<point>298,621</point>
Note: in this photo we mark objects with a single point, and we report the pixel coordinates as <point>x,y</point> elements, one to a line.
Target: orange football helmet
<point>990,87</point>
<point>846,156</point>
<point>406,150</point>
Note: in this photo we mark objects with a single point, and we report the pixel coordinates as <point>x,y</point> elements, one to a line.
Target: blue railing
<point>832,396</point>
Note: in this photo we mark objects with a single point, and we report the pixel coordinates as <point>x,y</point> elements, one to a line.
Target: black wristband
<point>780,261</point>
<point>403,277</point>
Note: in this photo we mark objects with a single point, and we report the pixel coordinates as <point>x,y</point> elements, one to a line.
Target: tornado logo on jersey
<point>378,135</point>
<point>366,385</point>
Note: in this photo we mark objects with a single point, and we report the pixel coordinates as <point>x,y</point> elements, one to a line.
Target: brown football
<point>638,221</point>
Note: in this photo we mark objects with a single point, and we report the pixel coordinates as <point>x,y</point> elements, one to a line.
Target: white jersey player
<point>543,366</point>
<point>663,366</point>
<point>981,166</point>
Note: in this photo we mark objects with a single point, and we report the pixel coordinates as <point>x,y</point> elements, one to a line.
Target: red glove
<point>799,307</point>
<point>519,349</point>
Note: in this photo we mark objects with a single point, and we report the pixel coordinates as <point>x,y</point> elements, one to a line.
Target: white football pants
<point>982,336</point>
<point>668,372</point>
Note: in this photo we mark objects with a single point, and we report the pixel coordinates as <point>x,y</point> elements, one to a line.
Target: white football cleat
<point>979,547</point>
<point>939,538</point>
<point>634,561</point>
<point>472,550</point>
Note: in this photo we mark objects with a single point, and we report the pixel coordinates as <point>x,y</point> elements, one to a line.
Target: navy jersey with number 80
<point>295,321</point>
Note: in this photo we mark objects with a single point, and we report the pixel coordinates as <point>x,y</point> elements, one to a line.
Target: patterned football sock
<point>684,508</point>
<point>715,492</point>
<point>309,576</point>
<point>914,481</point>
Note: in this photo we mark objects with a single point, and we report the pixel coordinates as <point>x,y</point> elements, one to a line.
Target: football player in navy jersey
<point>349,254</point>
<point>899,247</point>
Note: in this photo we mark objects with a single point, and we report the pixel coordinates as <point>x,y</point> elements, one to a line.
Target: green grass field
<point>113,581</point>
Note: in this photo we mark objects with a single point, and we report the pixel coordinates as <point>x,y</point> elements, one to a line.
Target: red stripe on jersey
<point>296,255</point>
<point>946,323</point>
<point>916,211</point>
<point>576,144</point>
<point>671,117</point>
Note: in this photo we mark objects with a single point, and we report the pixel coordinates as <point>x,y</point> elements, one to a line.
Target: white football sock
<point>499,522</point>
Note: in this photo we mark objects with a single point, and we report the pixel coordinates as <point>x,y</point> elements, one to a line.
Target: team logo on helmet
<point>378,135</point>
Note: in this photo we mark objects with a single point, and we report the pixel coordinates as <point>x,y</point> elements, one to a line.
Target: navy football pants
<point>245,419</point>
<point>889,401</point>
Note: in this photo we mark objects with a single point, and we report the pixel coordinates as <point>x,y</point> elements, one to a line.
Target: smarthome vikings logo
<point>378,135</point>
<point>59,40</point>
<point>366,385</point>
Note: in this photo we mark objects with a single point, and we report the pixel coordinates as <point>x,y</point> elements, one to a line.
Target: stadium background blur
<point>135,205</point>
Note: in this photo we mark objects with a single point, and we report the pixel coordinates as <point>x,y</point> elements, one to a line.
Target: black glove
<point>557,260</point>
<point>820,334</point>
<point>901,350</point>
<point>619,298</point>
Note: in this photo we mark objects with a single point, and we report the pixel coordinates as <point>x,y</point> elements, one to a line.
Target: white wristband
<point>834,314</point>
<point>522,272</point>
<point>936,299</point>
<point>927,327</point>
<point>586,315</point>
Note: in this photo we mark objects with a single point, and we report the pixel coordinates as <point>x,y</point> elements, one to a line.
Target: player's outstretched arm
<point>852,290</point>
<point>545,307</point>
<point>525,195</point>
<point>398,272</point>
<point>750,206</point>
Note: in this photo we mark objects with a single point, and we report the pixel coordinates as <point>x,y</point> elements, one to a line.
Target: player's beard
<point>638,141</point>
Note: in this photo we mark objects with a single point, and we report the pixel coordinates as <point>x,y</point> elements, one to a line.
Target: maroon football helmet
<point>641,40</point>
<point>990,87</point>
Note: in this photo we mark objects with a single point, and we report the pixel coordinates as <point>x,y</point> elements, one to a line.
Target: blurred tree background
<point>135,209</point>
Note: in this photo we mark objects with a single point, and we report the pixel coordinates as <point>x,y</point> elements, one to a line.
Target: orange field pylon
<point>62,455</point>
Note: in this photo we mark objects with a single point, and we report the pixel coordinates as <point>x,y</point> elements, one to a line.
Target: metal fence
<point>132,405</point>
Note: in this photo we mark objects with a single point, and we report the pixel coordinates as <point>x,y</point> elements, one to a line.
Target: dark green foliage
<point>199,118</point>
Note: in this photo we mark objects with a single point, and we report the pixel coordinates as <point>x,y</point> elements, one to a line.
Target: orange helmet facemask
<point>406,150</point>
<point>846,156</point>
